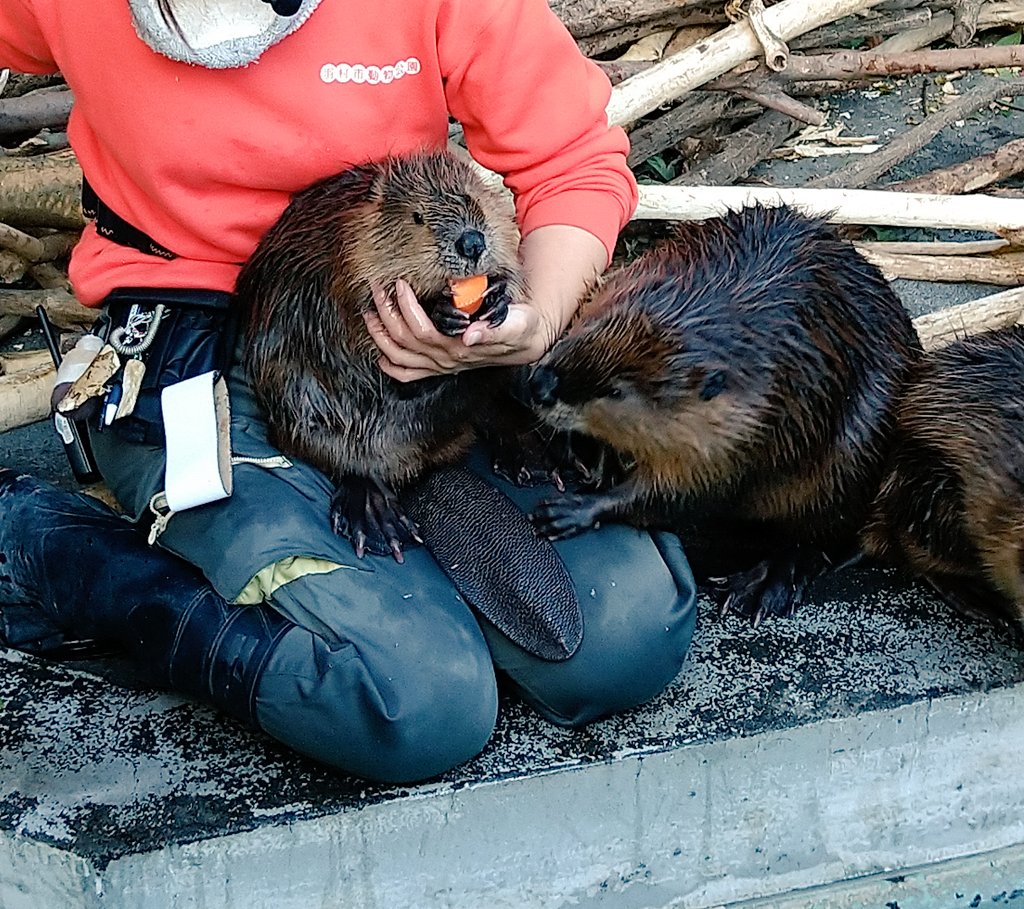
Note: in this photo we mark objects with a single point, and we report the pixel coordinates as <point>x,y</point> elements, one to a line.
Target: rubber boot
<point>93,575</point>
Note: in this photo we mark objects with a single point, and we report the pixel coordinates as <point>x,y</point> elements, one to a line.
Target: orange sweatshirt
<point>205,160</point>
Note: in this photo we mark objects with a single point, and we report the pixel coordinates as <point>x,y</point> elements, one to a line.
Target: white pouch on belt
<point>197,428</point>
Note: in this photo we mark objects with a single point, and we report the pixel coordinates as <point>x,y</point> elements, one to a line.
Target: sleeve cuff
<point>601,214</point>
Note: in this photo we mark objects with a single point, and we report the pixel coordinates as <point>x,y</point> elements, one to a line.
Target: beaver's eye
<point>418,218</point>
<point>613,392</point>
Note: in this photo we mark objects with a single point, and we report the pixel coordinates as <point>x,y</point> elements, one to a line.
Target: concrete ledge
<point>991,879</point>
<point>871,733</point>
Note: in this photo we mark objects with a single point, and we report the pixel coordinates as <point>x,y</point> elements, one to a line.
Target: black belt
<point>111,225</point>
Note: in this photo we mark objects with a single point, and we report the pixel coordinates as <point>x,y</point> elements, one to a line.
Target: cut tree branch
<point>1000,310</point>
<point>44,191</point>
<point>31,113</point>
<point>601,42</point>
<point>933,247</point>
<point>746,148</point>
<point>844,64</point>
<point>773,48</point>
<point>17,241</point>
<point>771,96</point>
<point>864,65</point>
<point>47,275</point>
<point>992,15</point>
<point>36,249</point>
<point>694,113</point>
<point>854,28</point>
<point>589,17</point>
<point>42,142</point>
<point>62,308</point>
<point>841,206</point>
<point>25,396</point>
<point>12,267</point>
<point>718,54</point>
<point>969,176</point>
<point>19,361</point>
<point>965,21</point>
<point>1007,269</point>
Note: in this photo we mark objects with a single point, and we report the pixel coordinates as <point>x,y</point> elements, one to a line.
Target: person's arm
<point>533,109</point>
<point>23,48</point>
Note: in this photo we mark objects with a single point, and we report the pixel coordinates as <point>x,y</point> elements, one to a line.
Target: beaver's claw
<point>522,471</point>
<point>774,586</point>
<point>368,513</point>
<point>448,320</point>
<point>769,588</point>
<point>494,309</point>
<point>531,457</point>
<point>597,467</point>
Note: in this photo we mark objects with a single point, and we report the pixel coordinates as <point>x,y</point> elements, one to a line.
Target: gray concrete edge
<point>697,826</point>
<point>34,875</point>
<point>989,879</point>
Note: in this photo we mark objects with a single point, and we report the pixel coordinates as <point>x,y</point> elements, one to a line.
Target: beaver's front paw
<point>368,513</point>
<point>448,320</point>
<point>565,517</point>
<point>494,309</point>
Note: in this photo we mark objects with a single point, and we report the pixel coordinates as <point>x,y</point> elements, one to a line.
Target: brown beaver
<point>749,367</point>
<point>427,218</point>
<point>952,504</point>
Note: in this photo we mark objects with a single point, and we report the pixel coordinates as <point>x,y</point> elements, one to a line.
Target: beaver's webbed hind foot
<point>976,600</point>
<point>367,512</point>
<point>772,587</point>
<point>768,588</point>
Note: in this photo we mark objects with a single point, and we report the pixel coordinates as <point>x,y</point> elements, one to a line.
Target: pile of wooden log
<point>40,207</point>
<point>749,88</point>
<point>706,91</point>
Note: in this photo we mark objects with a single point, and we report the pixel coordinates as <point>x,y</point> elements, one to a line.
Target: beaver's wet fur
<point>750,369</point>
<point>952,504</point>
<point>425,218</point>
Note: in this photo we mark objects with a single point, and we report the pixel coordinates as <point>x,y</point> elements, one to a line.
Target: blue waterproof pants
<point>387,673</point>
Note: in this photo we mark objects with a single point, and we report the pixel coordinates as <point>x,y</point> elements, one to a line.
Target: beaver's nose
<point>471,245</point>
<point>543,385</point>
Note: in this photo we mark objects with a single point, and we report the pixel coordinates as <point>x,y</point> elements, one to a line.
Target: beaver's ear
<point>715,382</point>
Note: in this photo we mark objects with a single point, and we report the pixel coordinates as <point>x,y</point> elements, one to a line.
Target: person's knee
<point>396,721</point>
<point>626,673</point>
<point>633,646</point>
<point>436,723</point>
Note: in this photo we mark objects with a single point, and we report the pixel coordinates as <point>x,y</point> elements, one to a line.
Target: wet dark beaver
<point>426,218</point>
<point>952,504</point>
<point>749,368</point>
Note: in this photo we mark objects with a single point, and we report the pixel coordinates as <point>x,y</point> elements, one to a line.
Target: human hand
<point>412,348</point>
